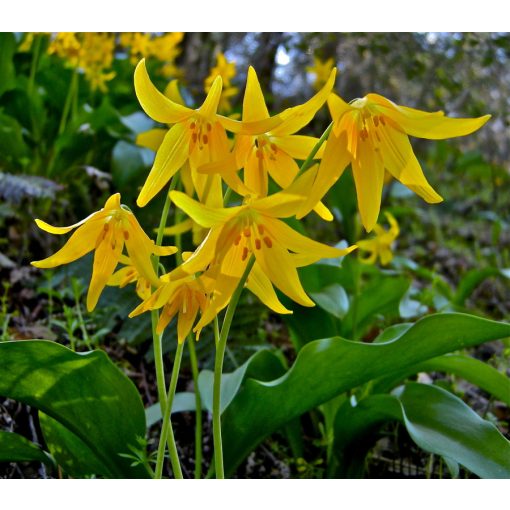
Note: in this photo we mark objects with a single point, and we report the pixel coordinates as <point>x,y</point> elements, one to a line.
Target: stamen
<point>106,227</point>
<point>260,228</point>
<point>381,118</point>
<point>274,148</point>
<point>268,242</point>
<point>376,120</point>
<point>238,240</point>
<point>209,127</point>
<point>259,154</point>
<point>192,125</point>
<point>245,254</point>
<point>126,235</point>
<point>258,244</point>
<point>247,232</point>
<point>114,244</point>
<point>194,137</point>
<point>205,139</point>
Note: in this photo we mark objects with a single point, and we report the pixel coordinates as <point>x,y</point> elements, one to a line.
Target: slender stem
<point>194,370</point>
<point>356,277</point>
<point>167,434</point>
<point>218,368</point>
<point>35,62</point>
<point>157,342</point>
<point>308,161</point>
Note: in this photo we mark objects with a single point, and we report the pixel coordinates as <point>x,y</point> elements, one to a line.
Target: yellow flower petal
<point>434,126</point>
<point>256,127</point>
<point>283,169</point>
<point>277,264</point>
<point>179,228</point>
<point>400,161</point>
<point>151,139</point>
<point>254,104</point>
<point>261,286</point>
<point>299,116</point>
<point>368,172</point>
<point>297,146</point>
<point>337,107</point>
<point>79,244</point>
<point>170,157</point>
<point>106,258</point>
<point>323,212</point>
<point>64,230</point>
<point>334,161</point>
<point>202,214</point>
<point>173,93</point>
<point>154,103</point>
<point>210,105</point>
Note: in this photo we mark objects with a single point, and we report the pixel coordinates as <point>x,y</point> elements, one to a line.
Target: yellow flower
<point>372,135</point>
<point>380,244</point>
<point>254,228</point>
<point>184,297</point>
<point>223,68</point>
<point>106,232</point>
<point>66,46</point>
<point>321,70</point>
<point>196,135</point>
<point>165,47</point>
<point>273,151</point>
<point>129,274</point>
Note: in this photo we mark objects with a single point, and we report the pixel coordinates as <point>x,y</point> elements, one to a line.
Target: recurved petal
<point>170,157</point>
<point>400,161</point>
<point>256,127</point>
<point>261,286</point>
<point>278,266</point>
<point>335,159</point>
<point>210,105</point>
<point>106,258</point>
<point>202,214</point>
<point>154,103</point>
<point>173,93</point>
<point>151,139</point>
<point>296,146</point>
<point>337,107</point>
<point>98,215</point>
<point>254,104</point>
<point>179,228</point>
<point>323,212</point>
<point>434,126</point>
<point>79,244</point>
<point>299,116</point>
<point>368,172</point>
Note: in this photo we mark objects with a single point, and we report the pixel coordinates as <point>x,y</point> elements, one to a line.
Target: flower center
<point>200,132</point>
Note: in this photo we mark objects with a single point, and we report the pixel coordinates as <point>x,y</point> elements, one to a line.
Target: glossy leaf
<point>85,393</point>
<point>16,448</point>
<point>325,368</point>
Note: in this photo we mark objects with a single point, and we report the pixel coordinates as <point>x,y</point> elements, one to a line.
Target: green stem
<point>34,64</point>
<point>157,342</point>
<point>307,163</point>
<point>218,368</point>
<point>167,434</point>
<point>194,371</point>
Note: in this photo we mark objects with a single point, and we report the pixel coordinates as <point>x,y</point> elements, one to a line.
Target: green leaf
<point>325,368</point>
<point>7,71</point>
<point>470,369</point>
<point>333,299</point>
<point>85,393</point>
<point>183,401</point>
<point>442,423</point>
<point>16,448</point>
<point>264,365</point>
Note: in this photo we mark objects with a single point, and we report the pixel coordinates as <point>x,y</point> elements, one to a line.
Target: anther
<point>192,125</point>
<point>247,232</point>
<point>245,254</point>
<point>114,244</point>
<point>238,240</point>
<point>126,235</point>
<point>260,228</point>
<point>205,139</point>
<point>194,137</point>
<point>274,148</point>
<point>259,153</point>
<point>258,244</point>
<point>364,133</point>
<point>106,227</point>
<point>381,118</point>
<point>268,242</point>
<point>209,127</point>
<point>376,120</point>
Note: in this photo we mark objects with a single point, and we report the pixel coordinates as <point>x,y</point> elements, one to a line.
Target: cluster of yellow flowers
<point>227,71</point>
<point>91,52</point>
<point>370,134</point>
<point>164,47</point>
<point>320,71</point>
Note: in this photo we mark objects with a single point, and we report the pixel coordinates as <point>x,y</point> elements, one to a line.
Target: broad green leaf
<point>85,393</point>
<point>442,423</point>
<point>7,71</point>
<point>333,299</point>
<point>264,365</point>
<point>16,448</point>
<point>470,369</point>
<point>69,451</point>
<point>325,368</point>
<point>183,401</point>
